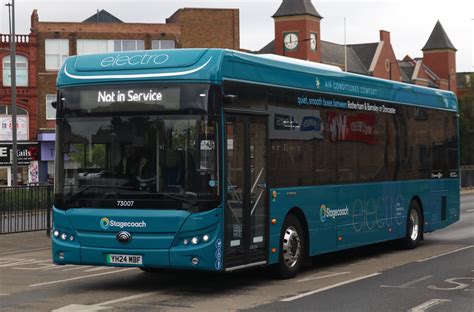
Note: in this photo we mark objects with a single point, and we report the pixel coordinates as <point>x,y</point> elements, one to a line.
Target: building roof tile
<point>438,39</point>
<point>296,7</point>
<point>102,16</point>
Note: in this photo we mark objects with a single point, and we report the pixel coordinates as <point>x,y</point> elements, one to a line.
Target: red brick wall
<point>387,65</point>
<point>26,96</point>
<point>209,28</point>
<point>304,26</point>
<point>443,64</point>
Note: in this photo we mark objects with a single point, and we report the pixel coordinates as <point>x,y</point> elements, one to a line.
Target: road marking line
<point>446,253</point>
<point>17,263</point>
<point>151,293</point>
<point>76,267</point>
<point>428,304</point>
<point>409,283</point>
<point>102,305</point>
<point>329,287</point>
<point>470,210</point>
<point>79,277</point>
<point>6,260</point>
<point>23,251</point>
<point>99,269</point>
<point>4,294</point>
<point>310,278</point>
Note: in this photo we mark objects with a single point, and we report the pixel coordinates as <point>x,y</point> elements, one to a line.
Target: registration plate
<point>124,259</point>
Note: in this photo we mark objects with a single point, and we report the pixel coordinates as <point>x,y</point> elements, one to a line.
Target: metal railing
<point>25,208</point>
<point>467,176</point>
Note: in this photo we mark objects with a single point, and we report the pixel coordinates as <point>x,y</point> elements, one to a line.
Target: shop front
<point>27,163</point>
<point>46,164</point>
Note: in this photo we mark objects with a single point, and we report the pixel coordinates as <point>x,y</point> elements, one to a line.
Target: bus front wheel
<point>292,248</point>
<point>414,226</point>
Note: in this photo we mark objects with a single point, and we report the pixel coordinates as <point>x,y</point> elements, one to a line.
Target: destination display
<point>130,98</point>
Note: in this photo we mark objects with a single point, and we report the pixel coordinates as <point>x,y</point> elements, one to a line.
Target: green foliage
<point>466,126</point>
<point>96,159</point>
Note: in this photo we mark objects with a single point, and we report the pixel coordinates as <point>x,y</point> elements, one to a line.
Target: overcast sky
<point>410,22</point>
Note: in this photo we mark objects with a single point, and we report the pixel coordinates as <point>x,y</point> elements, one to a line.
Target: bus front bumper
<point>202,257</point>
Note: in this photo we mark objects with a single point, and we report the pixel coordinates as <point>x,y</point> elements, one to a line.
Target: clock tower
<point>297,30</point>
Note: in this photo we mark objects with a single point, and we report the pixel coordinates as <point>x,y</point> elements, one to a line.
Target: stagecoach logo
<point>326,212</point>
<point>105,223</point>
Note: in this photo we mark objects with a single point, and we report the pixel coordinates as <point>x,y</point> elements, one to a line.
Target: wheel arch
<point>417,199</point>
<point>299,214</point>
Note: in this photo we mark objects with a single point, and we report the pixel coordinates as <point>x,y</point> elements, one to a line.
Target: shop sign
<point>25,153</point>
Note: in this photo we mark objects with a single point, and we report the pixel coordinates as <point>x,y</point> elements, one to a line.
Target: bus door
<point>246,211</point>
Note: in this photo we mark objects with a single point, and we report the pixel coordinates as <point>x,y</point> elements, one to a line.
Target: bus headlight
<point>56,233</point>
<point>63,236</point>
<point>205,237</point>
<point>195,240</point>
<point>185,241</point>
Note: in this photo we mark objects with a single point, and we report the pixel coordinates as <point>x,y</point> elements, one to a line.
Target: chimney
<point>34,18</point>
<point>385,36</point>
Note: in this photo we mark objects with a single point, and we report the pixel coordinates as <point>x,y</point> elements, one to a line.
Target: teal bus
<point>219,160</point>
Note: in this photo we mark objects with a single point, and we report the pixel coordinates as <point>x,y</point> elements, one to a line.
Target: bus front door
<point>246,216</point>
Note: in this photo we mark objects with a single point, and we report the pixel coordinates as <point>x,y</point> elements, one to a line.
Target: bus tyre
<point>292,248</point>
<point>414,226</point>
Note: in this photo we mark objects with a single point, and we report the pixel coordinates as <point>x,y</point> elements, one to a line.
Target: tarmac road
<point>375,278</point>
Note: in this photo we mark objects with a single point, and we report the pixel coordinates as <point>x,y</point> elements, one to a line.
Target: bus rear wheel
<point>414,226</point>
<point>292,248</point>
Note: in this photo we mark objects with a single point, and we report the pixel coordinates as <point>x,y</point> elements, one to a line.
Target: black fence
<point>25,208</point>
<point>467,176</point>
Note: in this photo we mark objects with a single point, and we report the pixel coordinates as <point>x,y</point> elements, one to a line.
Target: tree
<point>466,121</point>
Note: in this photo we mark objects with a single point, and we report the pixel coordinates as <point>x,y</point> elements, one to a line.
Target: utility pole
<point>345,46</point>
<point>11,15</point>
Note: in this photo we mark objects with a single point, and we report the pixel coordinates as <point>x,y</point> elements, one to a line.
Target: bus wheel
<point>292,248</point>
<point>414,226</point>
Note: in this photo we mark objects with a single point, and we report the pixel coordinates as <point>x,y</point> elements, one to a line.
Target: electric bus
<point>219,160</point>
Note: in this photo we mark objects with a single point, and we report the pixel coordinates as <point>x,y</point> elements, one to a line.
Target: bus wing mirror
<point>229,98</point>
<point>54,104</point>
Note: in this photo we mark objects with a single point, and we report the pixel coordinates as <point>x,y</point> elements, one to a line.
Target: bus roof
<point>217,65</point>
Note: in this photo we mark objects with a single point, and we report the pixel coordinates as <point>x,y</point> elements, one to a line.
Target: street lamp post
<point>11,21</point>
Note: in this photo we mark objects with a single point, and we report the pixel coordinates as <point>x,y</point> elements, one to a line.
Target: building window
<point>7,110</point>
<point>128,45</point>
<point>22,125</point>
<point>50,110</point>
<point>91,46</point>
<point>57,50</point>
<point>162,44</point>
<point>21,71</point>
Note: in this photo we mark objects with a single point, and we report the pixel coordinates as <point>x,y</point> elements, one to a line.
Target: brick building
<point>103,32</point>
<point>26,81</point>
<point>298,34</point>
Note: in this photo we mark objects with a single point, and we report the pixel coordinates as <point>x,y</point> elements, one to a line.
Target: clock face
<point>313,41</point>
<point>291,41</point>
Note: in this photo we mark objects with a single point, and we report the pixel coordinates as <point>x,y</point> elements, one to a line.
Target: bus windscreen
<point>162,158</point>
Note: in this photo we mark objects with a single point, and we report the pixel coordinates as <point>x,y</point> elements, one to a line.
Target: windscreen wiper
<point>182,199</point>
<point>88,187</point>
